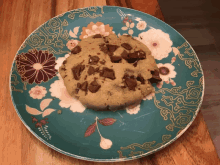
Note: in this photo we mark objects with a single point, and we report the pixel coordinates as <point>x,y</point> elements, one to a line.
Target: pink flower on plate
<point>72,44</point>
<point>38,92</point>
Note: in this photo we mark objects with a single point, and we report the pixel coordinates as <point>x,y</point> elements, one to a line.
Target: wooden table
<point>18,146</point>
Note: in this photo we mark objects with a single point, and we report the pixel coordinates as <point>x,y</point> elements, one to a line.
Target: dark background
<point>199,22</point>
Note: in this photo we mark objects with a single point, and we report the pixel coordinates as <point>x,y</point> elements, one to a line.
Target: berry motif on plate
<point>104,143</point>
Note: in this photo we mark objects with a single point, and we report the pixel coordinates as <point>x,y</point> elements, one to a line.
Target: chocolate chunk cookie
<point>109,73</point>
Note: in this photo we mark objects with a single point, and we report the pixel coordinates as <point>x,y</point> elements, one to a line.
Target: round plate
<point>62,123</point>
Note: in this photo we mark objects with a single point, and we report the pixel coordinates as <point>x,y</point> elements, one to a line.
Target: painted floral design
<point>167,72</point>
<point>150,96</point>
<point>59,91</point>
<point>175,51</point>
<point>127,18</point>
<point>72,44</point>
<point>173,60</point>
<point>59,62</point>
<point>129,26</point>
<point>36,66</point>
<point>141,25</point>
<point>40,123</point>
<point>96,28</point>
<point>133,109</point>
<point>43,111</point>
<point>42,127</point>
<point>157,41</point>
<point>38,92</point>
<point>74,32</point>
<point>104,143</point>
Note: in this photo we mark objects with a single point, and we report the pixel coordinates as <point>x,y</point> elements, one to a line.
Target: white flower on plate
<point>149,97</point>
<point>59,91</point>
<point>72,44</point>
<point>89,33</point>
<point>157,41</point>
<point>133,109</point>
<point>59,62</point>
<point>141,25</point>
<point>96,30</point>
<point>38,92</point>
<point>128,27</point>
<point>166,71</point>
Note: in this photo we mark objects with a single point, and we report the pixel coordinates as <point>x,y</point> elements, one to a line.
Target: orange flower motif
<point>96,28</point>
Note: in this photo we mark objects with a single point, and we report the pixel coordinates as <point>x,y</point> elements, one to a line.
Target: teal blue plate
<point>64,124</point>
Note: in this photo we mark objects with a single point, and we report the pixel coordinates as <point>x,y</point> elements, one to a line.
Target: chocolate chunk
<point>132,57</point>
<point>141,54</point>
<point>126,76</point>
<point>94,86</point>
<point>116,59</point>
<point>77,71</point>
<point>97,36</point>
<point>91,70</point>
<point>112,48</point>
<point>108,73</point>
<point>106,40</point>
<point>126,46</point>
<point>76,50</point>
<point>124,55</point>
<point>85,77</point>
<point>77,90</point>
<point>93,60</point>
<point>64,62</point>
<point>131,83</point>
<point>78,85</point>
<point>63,69</point>
<point>155,77</point>
<point>129,57</point>
<point>65,76</point>
<point>135,63</point>
<point>102,62</point>
<point>141,79</point>
<point>97,69</point>
<point>103,48</point>
<point>84,86</point>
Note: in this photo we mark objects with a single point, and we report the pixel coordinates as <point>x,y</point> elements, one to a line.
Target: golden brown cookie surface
<point>109,73</point>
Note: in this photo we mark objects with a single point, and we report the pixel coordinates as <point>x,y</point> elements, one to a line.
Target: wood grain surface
<point>19,147</point>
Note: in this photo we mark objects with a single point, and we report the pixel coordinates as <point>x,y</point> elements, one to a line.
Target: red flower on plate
<point>36,66</point>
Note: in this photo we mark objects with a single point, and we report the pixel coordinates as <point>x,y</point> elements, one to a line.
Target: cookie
<point>109,73</point>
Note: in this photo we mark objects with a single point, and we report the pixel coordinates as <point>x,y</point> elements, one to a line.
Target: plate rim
<point>107,160</point>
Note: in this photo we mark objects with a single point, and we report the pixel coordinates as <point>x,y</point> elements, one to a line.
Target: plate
<point>64,124</point>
